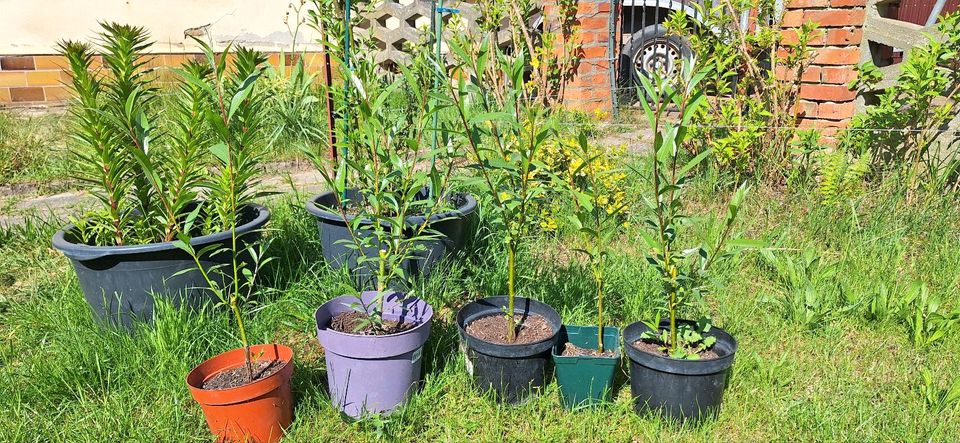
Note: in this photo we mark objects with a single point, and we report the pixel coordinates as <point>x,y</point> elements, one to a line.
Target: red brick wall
<point>589,89</point>
<point>825,100</point>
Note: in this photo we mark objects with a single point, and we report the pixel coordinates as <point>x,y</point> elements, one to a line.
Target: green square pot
<point>586,381</point>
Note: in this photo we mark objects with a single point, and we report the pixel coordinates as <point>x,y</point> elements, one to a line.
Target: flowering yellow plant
<point>562,158</point>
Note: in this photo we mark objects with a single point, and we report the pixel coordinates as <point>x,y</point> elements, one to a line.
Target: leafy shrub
<point>803,301</point>
<point>749,122</point>
<point>683,271</point>
<point>921,101</point>
<point>578,165</point>
<point>840,174</point>
<point>146,176</point>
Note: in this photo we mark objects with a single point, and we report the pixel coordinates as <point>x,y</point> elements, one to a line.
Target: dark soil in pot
<point>239,376</point>
<point>359,323</point>
<point>678,388</point>
<point>572,350</point>
<point>120,282</point>
<point>454,225</point>
<point>513,371</point>
<point>529,329</point>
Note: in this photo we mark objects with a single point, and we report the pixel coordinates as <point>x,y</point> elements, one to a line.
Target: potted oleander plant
<point>506,339</point>
<point>373,339</point>
<point>586,357</point>
<point>244,393</point>
<point>148,170</point>
<point>679,367</point>
<point>409,100</point>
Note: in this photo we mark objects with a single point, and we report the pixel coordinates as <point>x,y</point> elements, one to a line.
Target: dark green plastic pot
<point>586,381</point>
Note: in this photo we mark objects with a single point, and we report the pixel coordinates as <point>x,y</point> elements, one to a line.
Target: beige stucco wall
<point>34,26</point>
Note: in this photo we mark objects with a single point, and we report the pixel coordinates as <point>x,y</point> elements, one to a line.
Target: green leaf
<point>242,93</point>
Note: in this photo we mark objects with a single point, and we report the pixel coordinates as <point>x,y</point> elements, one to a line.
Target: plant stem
<point>511,271</point>
<point>243,336</point>
<point>599,313</point>
<point>673,321</point>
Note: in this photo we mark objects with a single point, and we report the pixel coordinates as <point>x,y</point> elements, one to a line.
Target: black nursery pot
<point>680,389</point>
<point>120,283</point>
<point>513,372</point>
<point>454,226</point>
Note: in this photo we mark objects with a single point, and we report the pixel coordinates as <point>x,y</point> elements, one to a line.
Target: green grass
<point>65,378</point>
<point>32,149</point>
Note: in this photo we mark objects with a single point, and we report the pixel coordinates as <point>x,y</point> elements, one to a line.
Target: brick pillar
<point>825,100</point>
<point>589,88</point>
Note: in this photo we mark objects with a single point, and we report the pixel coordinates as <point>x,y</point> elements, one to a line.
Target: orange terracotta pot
<point>257,412</point>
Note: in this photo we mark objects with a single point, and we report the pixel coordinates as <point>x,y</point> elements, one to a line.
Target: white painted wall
<point>34,26</point>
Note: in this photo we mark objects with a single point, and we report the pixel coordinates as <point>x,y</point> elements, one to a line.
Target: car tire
<point>651,48</point>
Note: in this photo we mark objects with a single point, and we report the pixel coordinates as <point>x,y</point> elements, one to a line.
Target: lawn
<point>844,376</point>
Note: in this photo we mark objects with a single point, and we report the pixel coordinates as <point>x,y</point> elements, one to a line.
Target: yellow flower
<point>504,196</point>
<point>548,224</point>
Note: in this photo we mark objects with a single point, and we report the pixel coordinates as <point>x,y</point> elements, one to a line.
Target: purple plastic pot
<point>371,374</point>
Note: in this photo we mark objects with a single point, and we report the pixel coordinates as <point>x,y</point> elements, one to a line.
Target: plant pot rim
<point>679,365</point>
<point>326,328</point>
<point>570,358</point>
<point>84,252</point>
<point>238,394</point>
<point>469,206</point>
<point>510,348</point>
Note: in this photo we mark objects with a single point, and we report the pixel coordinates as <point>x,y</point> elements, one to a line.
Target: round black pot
<point>335,234</point>
<point>513,372</point>
<point>120,282</point>
<point>679,389</point>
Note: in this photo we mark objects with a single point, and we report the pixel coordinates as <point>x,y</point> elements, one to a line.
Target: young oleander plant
<point>682,269</point>
<point>388,175</point>
<point>505,133</point>
<point>224,100</point>
<point>596,220</point>
<point>147,176</point>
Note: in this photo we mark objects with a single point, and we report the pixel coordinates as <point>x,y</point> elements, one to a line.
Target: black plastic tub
<point>677,388</point>
<point>121,282</point>
<point>454,226</point>
<point>512,372</point>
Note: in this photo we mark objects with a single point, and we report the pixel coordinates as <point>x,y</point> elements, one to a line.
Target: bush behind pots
<point>454,226</point>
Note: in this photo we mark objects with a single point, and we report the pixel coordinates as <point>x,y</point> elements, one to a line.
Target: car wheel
<point>652,50</point>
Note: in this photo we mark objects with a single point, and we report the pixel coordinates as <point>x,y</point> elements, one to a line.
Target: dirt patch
<point>236,377</point>
<point>493,328</point>
<point>359,323</point>
<point>572,350</point>
<point>654,348</point>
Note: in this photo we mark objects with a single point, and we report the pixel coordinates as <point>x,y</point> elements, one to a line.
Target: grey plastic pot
<point>373,374</point>
<point>677,388</point>
<point>335,235</point>
<point>512,372</point>
<point>120,283</point>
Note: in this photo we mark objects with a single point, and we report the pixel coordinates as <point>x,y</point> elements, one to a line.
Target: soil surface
<point>493,328</point>
<point>572,350</point>
<point>651,347</point>
<point>358,323</point>
<point>238,376</point>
